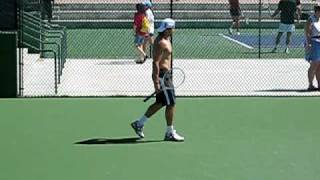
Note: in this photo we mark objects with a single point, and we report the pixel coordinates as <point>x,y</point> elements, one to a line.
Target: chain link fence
<point>98,49</point>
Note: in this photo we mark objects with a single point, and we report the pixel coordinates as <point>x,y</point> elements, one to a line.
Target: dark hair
<point>140,8</point>
<point>316,8</point>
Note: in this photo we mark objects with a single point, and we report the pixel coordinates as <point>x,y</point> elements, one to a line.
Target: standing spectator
<point>235,13</point>
<point>312,33</point>
<point>141,28</point>
<point>46,9</point>
<point>150,16</point>
<point>288,9</point>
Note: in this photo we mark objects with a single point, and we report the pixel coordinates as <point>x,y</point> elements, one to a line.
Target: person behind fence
<point>46,10</point>
<point>235,13</point>
<point>150,16</point>
<point>312,47</point>
<point>141,28</point>
<point>288,9</point>
<point>162,59</point>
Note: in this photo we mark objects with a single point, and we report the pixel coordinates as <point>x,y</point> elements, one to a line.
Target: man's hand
<point>157,87</point>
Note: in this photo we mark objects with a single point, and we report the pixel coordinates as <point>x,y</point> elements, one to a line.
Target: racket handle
<point>148,97</point>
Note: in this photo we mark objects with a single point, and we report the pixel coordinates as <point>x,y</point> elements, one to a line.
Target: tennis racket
<point>172,79</point>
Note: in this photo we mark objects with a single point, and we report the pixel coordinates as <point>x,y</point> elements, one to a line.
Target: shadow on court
<point>261,52</point>
<point>129,140</point>
<point>285,90</point>
<point>117,62</point>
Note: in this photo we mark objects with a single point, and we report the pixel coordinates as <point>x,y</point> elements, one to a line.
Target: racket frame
<point>162,83</point>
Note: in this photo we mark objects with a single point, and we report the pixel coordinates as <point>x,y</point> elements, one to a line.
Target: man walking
<point>162,60</point>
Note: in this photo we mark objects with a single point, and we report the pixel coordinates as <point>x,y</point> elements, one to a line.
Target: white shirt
<point>150,17</point>
<point>315,25</point>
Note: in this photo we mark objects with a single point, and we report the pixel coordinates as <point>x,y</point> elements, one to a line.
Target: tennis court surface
<point>226,139</point>
<point>265,41</point>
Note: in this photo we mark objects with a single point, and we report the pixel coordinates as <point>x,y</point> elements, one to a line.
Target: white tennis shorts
<point>286,27</point>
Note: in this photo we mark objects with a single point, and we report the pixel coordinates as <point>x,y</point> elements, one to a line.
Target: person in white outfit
<point>149,14</point>
<point>312,47</point>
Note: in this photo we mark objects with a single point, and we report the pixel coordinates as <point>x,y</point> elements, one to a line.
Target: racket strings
<point>173,78</point>
<point>178,77</point>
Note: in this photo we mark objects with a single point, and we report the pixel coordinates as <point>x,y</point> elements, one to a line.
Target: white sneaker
<point>137,129</point>
<point>140,59</point>
<point>286,50</point>
<point>238,33</point>
<point>173,136</point>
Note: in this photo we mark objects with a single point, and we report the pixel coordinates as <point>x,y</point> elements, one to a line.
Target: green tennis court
<point>226,139</point>
<point>188,43</point>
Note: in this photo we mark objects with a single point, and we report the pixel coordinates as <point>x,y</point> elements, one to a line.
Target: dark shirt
<point>288,9</point>
<point>234,4</point>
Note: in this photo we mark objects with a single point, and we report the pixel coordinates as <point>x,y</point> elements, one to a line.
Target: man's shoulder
<point>162,42</point>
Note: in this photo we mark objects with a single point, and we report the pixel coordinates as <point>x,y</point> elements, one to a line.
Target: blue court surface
<point>266,41</point>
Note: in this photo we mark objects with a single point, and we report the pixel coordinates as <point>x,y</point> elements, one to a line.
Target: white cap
<point>166,24</point>
<point>147,3</point>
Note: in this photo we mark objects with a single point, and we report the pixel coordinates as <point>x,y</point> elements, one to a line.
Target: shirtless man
<point>162,51</point>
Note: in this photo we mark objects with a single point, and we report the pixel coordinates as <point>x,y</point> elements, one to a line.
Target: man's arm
<point>275,12</point>
<point>298,12</point>
<point>307,31</point>
<point>156,66</point>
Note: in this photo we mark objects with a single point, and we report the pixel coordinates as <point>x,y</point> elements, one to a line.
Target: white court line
<point>236,41</point>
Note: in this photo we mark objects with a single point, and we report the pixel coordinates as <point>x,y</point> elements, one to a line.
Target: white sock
<point>170,129</point>
<point>142,120</point>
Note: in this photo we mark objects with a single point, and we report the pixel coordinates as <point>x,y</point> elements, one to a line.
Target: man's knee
<point>171,106</point>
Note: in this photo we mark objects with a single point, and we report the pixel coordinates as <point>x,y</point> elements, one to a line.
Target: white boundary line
<point>236,41</point>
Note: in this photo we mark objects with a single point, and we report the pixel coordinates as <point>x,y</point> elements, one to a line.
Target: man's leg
<point>140,50</point>
<point>171,134</point>
<point>151,41</point>
<point>140,53</point>
<point>288,41</point>
<point>277,41</point>
<point>237,24</point>
<point>318,75</point>
<point>146,44</point>
<point>138,124</point>
<point>232,24</point>
<point>311,73</point>
<point>155,107</point>
<point>170,110</point>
